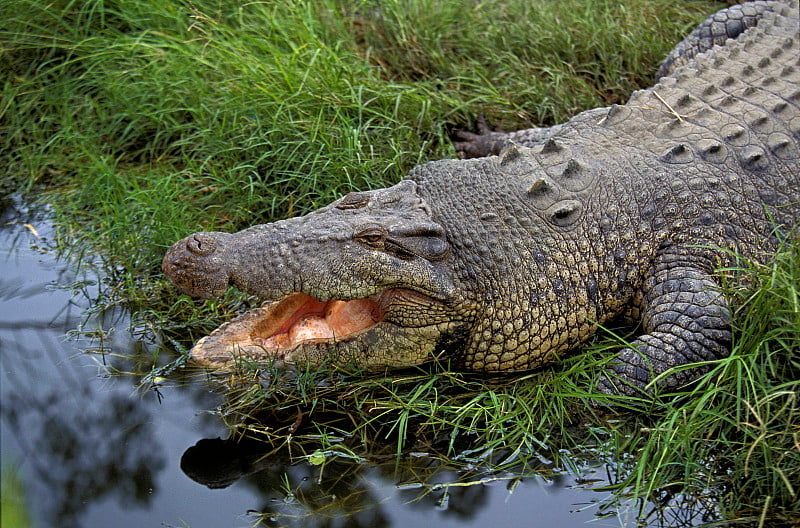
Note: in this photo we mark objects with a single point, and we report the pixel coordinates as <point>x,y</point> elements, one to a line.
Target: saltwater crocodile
<point>504,263</point>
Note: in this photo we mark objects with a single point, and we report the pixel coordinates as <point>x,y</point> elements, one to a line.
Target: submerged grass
<point>139,122</point>
<point>15,507</point>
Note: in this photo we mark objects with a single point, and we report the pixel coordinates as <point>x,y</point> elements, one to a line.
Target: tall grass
<point>141,121</point>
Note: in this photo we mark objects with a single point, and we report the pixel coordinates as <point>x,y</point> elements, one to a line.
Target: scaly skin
<point>504,263</point>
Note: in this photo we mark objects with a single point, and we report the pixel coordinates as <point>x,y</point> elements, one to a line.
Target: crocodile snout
<point>194,265</point>
<point>201,244</point>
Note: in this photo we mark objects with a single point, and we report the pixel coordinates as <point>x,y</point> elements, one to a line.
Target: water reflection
<point>349,491</point>
<point>83,453</point>
<point>79,444</point>
<point>340,494</point>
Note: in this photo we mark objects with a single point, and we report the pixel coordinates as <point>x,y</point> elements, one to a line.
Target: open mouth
<point>276,328</point>
<point>299,318</point>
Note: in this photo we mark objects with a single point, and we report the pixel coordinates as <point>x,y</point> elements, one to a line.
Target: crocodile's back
<point>725,131</point>
<point>709,155</point>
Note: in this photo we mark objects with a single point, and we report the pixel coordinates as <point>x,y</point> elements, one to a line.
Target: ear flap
<point>422,247</point>
<point>565,213</point>
<point>427,242</point>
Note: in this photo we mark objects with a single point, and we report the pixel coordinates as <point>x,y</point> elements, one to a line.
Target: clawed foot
<point>471,145</point>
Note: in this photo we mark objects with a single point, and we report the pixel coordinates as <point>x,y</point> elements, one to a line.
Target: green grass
<point>138,122</point>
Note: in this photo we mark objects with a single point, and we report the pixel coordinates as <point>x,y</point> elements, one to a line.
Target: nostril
<point>172,264</point>
<point>200,244</point>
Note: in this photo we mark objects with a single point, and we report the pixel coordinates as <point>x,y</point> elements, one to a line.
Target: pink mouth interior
<point>299,318</point>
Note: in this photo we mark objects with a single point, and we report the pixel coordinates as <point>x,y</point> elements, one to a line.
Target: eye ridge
<point>353,200</point>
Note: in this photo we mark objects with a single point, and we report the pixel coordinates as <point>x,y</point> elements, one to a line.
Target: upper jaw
<point>352,273</point>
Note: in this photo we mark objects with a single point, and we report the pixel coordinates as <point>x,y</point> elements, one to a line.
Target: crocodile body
<point>504,263</point>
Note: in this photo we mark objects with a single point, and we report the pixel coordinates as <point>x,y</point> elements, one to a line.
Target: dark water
<point>94,450</point>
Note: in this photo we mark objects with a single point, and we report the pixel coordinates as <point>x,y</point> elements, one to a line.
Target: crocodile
<point>510,260</point>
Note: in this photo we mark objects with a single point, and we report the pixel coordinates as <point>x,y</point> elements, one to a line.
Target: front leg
<point>685,319</point>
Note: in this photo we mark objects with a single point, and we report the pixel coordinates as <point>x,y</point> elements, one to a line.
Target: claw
<point>472,145</point>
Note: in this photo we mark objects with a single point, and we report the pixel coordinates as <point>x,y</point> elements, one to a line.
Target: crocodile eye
<point>353,200</point>
<point>371,237</point>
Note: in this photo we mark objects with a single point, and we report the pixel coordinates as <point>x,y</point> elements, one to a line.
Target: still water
<point>95,450</point>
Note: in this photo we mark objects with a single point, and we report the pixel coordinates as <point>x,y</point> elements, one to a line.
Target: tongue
<point>310,327</point>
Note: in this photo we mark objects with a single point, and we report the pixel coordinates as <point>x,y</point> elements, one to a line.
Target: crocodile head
<point>365,279</point>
